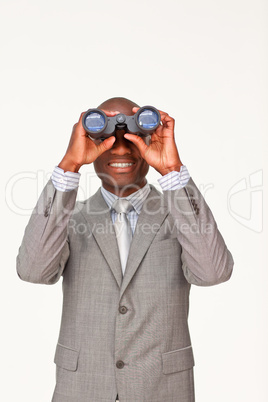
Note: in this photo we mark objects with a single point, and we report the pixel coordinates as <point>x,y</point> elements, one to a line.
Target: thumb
<point>138,141</point>
<point>105,145</point>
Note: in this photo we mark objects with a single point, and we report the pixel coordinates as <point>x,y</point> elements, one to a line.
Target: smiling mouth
<point>121,165</point>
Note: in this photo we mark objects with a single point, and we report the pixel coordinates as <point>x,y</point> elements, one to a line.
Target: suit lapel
<point>151,217</point>
<point>97,214</point>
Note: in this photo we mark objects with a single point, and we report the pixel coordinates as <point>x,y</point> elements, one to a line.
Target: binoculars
<point>99,126</point>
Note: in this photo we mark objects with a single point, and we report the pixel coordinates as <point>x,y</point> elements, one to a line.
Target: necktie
<point>123,229</point>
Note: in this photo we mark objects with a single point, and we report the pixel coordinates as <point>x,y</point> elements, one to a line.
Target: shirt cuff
<point>175,180</point>
<point>65,181</point>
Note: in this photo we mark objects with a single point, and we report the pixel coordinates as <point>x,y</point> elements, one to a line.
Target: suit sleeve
<point>205,257</point>
<point>45,247</point>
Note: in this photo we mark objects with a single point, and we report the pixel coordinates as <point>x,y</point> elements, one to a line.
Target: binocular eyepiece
<point>100,126</point>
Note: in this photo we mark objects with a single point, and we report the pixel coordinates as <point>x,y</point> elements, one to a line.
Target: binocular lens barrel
<point>148,119</point>
<point>95,122</point>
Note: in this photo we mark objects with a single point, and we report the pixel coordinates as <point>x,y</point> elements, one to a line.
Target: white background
<point>205,63</point>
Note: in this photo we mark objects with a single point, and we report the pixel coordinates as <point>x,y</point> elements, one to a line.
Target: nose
<point>121,145</point>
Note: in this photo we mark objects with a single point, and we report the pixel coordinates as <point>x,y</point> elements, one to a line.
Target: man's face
<point>122,169</point>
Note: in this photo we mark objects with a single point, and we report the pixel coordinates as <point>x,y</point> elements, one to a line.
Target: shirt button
<point>61,180</point>
<point>120,364</point>
<point>123,309</point>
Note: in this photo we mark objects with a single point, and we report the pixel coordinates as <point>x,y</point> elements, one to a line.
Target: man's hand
<point>162,153</point>
<point>81,149</point>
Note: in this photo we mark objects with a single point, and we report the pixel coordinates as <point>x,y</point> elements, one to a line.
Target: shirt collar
<point>137,199</point>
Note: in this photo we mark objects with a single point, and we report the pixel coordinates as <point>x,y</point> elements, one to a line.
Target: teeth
<point>121,165</point>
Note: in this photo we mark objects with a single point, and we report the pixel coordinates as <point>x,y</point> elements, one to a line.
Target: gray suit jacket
<point>124,334</point>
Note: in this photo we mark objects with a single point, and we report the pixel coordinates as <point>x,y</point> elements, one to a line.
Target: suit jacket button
<point>120,364</point>
<point>123,309</point>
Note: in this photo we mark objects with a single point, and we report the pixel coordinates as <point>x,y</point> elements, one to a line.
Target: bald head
<point>122,105</point>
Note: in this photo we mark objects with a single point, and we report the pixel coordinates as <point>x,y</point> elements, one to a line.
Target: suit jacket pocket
<point>178,360</point>
<point>66,357</point>
<point>165,244</point>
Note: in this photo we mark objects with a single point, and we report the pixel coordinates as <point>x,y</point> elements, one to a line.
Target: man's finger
<point>168,121</point>
<point>138,141</point>
<point>80,118</point>
<point>79,126</point>
<point>106,144</point>
<point>110,113</point>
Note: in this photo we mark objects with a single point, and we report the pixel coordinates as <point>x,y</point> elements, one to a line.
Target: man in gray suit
<point>124,329</point>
